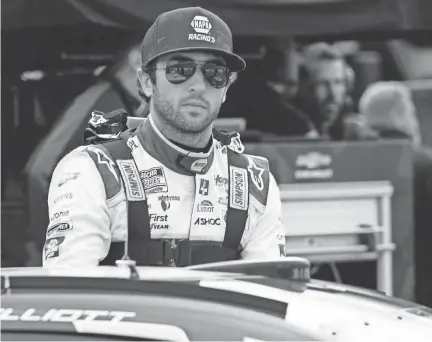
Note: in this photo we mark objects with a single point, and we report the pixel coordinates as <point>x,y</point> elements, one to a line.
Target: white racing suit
<point>186,194</point>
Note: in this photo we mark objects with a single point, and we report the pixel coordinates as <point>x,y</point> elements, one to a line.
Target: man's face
<point>329,84</point>
<point>190,106</point>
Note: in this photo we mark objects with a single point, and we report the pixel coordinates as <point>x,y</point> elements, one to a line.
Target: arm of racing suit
<point>78,234</point>
<point>266,238</point>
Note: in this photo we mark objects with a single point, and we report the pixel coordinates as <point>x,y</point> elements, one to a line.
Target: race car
<point>235,300</point>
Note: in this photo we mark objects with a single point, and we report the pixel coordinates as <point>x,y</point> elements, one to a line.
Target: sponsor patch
<point>202,27</point>
<point>158,226</point>
<point>60,227</point>
<point>205,221</point>
<point>58,215</point>
<point>154,180</point>
<point>168,198</point>
<point>238,188</point>
<point>199,165</point>
<point>68,177</point>
<point>64,196</point>
<point>132,143</point>
<point>204,187</point>
<point>256,174</point>
<point>205,207</point>
<point>132,180</point>
<point>223,200</point>
<point>158,218</point>
<point>197,36</point>
<point>201,24</point>
<point>52,247</point>
<point>221,181</point>
<point>282,251</point>
<point>165,205</point>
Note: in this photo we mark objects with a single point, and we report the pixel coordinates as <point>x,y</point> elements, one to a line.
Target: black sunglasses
<point>178,72</point>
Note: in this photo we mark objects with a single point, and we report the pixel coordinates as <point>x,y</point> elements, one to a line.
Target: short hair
<point>318,52</point>
<point>149,69</point>
<point>388,105</point>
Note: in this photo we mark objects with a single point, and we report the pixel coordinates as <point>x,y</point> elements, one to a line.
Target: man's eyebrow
<point>216,60</point>
<point>181,58</point>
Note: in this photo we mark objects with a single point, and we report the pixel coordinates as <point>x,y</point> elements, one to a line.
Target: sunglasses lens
<point>179,73</point>
<point>217,76</point>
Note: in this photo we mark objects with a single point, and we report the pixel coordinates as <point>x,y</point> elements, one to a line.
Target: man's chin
<point>195,122</point>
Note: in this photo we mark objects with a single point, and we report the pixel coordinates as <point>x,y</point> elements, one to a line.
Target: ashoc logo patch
<point>203,221</point>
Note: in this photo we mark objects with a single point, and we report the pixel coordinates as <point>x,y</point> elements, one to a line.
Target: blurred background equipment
<point>61,59</point>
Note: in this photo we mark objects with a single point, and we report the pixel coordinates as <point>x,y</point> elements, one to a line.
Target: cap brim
<point>234,62</point>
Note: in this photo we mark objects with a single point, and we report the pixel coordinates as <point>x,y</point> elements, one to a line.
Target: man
<point>168,193</point>
<point>389,110</point>
<point>281,68</point>
<point>324,94</point>
<point>271,84</point>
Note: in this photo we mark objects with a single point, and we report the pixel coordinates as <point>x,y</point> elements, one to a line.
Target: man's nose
<point>197,82</point>
<point>331,91</point>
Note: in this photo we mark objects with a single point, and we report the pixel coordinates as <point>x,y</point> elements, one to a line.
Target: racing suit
<point>186,193</point>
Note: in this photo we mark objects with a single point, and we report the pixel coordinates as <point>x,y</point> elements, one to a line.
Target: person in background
<point>388,109</point>
<point>325,84</point>
<point>271,82</point>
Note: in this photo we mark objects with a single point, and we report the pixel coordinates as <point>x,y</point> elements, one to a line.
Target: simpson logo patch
<point>132,181</point>
<point>238,188</point>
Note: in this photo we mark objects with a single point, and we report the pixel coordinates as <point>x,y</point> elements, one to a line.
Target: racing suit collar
<point>169,154</point>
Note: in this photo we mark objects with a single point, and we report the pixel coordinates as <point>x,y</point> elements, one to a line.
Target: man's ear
<point>146,82</point>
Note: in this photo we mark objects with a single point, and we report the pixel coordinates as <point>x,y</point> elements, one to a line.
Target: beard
<point>180,121</point>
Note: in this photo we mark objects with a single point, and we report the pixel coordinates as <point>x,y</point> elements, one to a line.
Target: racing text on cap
<point>202,26</point>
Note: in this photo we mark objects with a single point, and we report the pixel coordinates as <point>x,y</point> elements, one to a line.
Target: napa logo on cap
<point>201,24</point>
<point>202,27</point>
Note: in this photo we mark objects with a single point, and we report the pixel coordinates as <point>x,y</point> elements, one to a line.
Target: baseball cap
<point>190,29</point>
